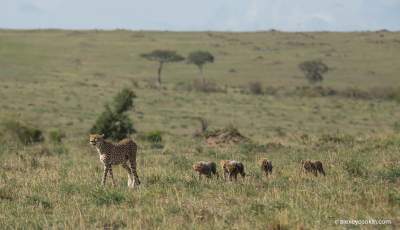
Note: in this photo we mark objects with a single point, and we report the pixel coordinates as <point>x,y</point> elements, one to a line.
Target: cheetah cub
<point>314,167</point>
<point>122,153</point>
<point>206,168</point>
<point>232,168</point>
<point>266,166</point>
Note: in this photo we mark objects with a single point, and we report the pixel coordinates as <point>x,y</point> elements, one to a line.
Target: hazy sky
<point>237,15</point>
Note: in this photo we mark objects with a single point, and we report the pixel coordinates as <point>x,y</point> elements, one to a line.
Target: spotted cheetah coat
<point>121,153</point>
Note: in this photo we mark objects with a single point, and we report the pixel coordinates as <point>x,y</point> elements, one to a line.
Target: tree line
<point>313,70</point>
<point>198,58</point>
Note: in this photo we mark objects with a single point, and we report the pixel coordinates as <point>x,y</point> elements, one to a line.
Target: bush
<point>113,125</point>
<point>313,70</point>
<point>56,136</point>
<point>25,134</point>
<point>154,137</point>
<point>123,101</point>
<point>114,122</point>
<point>255,88</point>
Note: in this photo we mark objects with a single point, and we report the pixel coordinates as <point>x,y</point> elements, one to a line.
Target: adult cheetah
<point>232,168</point>
<point>123,152</point>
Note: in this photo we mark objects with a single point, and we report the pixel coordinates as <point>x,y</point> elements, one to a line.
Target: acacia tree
<point>162,57</point>
<point>200,58</point>
<point>314,70</point>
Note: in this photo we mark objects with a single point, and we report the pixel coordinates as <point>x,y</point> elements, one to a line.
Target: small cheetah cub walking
<point>122,153</point>
<point>314,167</point>
<point>206,168</point>
<point>232,168</point>
<point>266,166</point>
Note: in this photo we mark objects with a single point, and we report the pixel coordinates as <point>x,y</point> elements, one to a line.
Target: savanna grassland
<point>58,81</point>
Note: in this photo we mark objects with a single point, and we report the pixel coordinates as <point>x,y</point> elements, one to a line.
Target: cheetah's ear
<point>102,135</point>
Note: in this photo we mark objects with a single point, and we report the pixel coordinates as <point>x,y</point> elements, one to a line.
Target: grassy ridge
<point>57,79</point>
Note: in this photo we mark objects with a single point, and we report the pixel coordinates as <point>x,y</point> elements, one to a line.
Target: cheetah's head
<point>96,138</point>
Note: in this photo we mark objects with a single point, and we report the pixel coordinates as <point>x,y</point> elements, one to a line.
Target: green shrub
<point>56,136</point>
<point>256,88</point>
<point>313,70</point>
<point>123,101</point>
<point>25,134</point>
<point>114,123</point>
<point>154,136</point>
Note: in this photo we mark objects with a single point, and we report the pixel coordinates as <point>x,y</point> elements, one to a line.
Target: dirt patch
<point>226,136</point>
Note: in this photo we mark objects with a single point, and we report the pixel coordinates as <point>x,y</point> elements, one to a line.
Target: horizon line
<point>198,31</point>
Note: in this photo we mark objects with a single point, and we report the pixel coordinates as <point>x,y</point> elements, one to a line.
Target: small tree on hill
<point>314,70</point>
<point>162,57</point>
<point>123,101</point>
<point>114,123</point>
<point>200,58</point>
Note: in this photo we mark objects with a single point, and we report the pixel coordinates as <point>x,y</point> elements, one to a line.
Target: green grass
<point>58,81</point>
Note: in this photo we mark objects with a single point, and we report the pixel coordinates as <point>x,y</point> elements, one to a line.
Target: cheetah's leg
<point>130,179</point>
<point>225,174</point>
<point>111,175</point>
<point>136,180</point>
<point>105,172</point>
